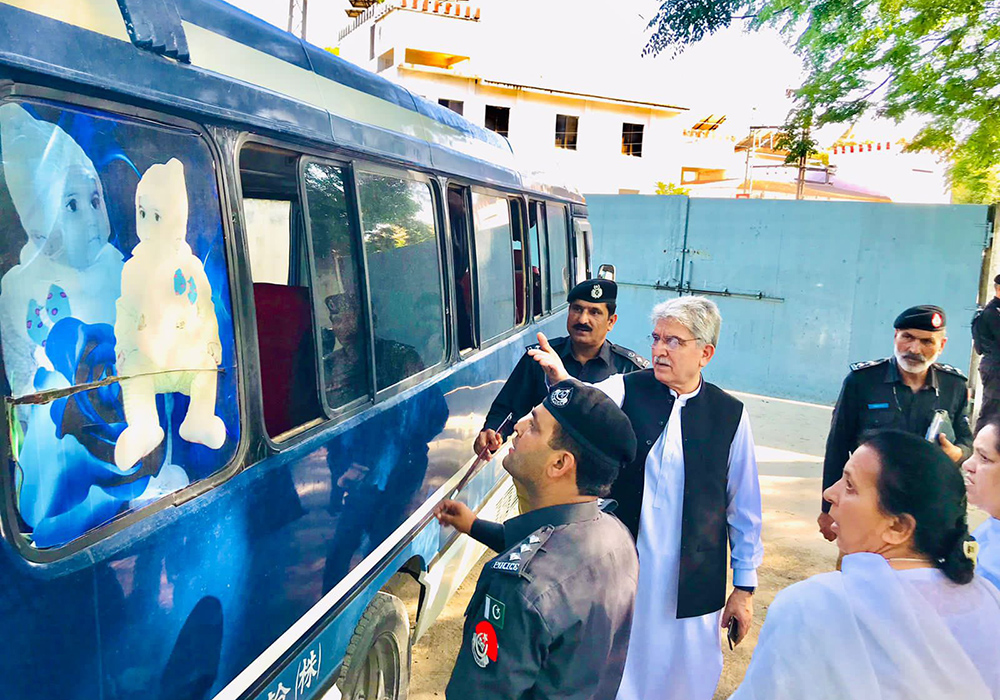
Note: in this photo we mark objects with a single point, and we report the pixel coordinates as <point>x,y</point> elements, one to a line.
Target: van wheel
<point>377,664</point>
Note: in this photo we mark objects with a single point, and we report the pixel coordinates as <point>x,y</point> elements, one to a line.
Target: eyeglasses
<point>671,341</point>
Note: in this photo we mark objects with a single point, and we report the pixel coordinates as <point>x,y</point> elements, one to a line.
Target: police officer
<point>986,335</point>
<point>586,352</point>
<point>901,392</point>
<point>551,615</point>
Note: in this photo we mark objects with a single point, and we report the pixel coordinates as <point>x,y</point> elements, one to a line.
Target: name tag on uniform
<point>873,406</point>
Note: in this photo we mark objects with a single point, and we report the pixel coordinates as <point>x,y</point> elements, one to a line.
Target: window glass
<point>458,215</point>
<point>520,280</point>
<point>566,129</point>
<point>632,139</point>
<point>268,223</point>
<point>337,298</point>
<point>404,275</point>
<point>113,265</point>
<point>539,258</point>
<point>497,119</point>
<point>559,272</point>
<point>493,264</point>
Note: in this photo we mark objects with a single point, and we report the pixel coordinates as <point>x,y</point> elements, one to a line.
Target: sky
<point>580,45</point>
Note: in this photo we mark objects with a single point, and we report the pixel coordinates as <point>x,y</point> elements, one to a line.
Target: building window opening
<point>566,129</point>
<point>385,61</point>
<point>498,119</point>
<point>456,106</point>
<point>632,139</point>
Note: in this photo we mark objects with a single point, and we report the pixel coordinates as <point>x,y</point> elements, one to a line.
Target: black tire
<point>377,664</point>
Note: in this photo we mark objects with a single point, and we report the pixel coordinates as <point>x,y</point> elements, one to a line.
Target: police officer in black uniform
<point>901,392</point>
<point>986,336</point>
<point>586,352</point>
<point>551,615</point>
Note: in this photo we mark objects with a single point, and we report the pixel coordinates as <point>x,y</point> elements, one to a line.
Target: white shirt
<point>743,502</point>
<point>988,563</point>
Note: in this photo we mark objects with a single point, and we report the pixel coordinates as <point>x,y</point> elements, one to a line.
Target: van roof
<point>211,58</point>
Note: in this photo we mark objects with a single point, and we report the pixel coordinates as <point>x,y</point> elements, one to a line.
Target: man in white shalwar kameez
<point>692,488</point>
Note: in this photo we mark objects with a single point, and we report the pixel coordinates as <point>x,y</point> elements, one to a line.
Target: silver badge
<point>596,292</point>
<point>560,397</point>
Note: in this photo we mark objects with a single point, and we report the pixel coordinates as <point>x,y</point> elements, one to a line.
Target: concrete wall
<point>838,273</point>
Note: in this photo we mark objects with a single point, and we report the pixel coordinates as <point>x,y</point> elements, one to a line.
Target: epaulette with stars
<point>868,363</point>
<point>514,561</point>
<point>950,370</point>
<point>636,359</point>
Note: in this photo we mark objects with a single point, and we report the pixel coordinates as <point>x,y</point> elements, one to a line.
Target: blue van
<point>254,305</point>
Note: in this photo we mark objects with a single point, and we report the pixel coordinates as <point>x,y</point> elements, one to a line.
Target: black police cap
<point>593,420</point>
<point>996,280</point>
<point>921,318</point>
<point>596,291</point>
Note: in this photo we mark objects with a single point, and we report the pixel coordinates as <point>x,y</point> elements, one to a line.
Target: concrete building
<point>605,143</point>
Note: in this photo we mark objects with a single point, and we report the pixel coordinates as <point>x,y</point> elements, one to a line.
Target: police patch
<point>560,397</point>
<point>484,644</point>
<point>596,292</point>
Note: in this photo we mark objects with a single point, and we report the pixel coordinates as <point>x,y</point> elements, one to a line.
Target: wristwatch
<point>747,589</point>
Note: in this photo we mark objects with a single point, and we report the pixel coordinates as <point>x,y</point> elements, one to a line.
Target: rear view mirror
<point>606,272</point>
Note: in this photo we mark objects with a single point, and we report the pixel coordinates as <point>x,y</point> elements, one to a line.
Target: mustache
<point>582,327</point>
<point>916,359</point>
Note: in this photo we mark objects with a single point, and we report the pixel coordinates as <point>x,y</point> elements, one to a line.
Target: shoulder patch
<point>870,363</point>
<point>515,561</point>
<point>536,346</point>
<point>950,370</point>
<point>633,357</point>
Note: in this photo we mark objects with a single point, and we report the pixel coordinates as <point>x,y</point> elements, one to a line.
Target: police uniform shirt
<point>551,616</point>
<point>986,332</point>
<point>526,387</point>
<point>874,397</point>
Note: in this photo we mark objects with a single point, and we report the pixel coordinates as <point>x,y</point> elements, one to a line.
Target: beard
<point>914,364</point>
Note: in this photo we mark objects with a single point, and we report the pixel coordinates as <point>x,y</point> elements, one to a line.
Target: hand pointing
<point>550,361</point>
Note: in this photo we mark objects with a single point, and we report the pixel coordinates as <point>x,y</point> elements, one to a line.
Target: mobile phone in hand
<point>733,631</point>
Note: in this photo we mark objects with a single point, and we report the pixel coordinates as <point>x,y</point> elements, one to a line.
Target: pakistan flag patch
<point>494,612</point>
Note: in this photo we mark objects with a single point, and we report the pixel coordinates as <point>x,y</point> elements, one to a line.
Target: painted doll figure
<point>67,267</point>
<point>167,335</point>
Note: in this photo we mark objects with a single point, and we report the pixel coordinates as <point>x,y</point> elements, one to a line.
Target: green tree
<point>938,60</point>
<point>796,138</point>
<point>670,188</point>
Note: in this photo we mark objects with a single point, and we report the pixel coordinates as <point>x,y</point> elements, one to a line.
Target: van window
<point>520,279</point>
<point>540,298</point>
<point>337,298</point>
<point>494,264</point>
<point>282,294</point>
<point>113,264</point>
<point>458,216</point>
<point>559,265</point>
<point>404,275</point>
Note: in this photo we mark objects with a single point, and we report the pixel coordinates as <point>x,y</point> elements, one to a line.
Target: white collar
<point>684,398</point>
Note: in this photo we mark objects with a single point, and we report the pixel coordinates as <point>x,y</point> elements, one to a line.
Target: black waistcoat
<point>708,425</point>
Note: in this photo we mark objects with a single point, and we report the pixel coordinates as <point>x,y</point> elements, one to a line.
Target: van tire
<point>377,663</point>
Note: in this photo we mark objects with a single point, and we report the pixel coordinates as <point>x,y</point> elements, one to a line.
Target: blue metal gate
<point>805,288</point>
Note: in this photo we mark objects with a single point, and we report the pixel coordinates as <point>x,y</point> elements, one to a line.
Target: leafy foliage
<point>670,188</point>
<point>934,59</point>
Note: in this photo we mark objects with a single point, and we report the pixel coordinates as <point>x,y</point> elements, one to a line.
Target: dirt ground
<point>790,438</point>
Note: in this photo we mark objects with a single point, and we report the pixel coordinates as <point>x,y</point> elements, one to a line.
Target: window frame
<point>68,557</point>
<point>570,257</point>
<point>354,219</point>
<point>490,192</point>
<point>629,148</point>
<point>361,165</point>
<point>576,132</point>
<point>460,353</point>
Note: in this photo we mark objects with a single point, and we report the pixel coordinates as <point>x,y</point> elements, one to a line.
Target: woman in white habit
<point>906,618</point>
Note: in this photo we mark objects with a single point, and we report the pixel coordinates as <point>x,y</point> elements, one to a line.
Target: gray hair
<point>699,315</point>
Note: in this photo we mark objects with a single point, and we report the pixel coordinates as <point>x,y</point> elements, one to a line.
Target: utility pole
<point>298,15</point>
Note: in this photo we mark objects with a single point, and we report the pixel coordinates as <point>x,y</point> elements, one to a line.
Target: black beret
<point>996,280</point>
<point>596,291</point>
<point>921,318</point>
<point>593,420</point>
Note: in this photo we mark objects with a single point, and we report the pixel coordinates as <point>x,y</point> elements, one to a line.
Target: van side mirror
<point>606,272</point>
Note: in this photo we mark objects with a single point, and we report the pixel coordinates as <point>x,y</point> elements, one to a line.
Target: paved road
<point>790,437</point>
